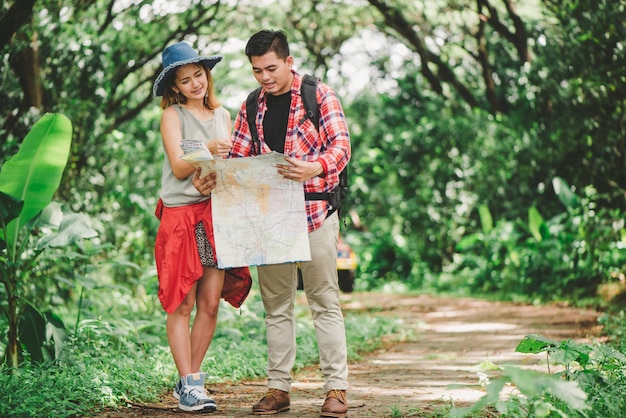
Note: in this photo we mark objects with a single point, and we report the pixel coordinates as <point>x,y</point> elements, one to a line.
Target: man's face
<point>273,73</point>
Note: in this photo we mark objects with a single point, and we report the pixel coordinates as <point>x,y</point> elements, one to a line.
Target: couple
<point>184,250</point>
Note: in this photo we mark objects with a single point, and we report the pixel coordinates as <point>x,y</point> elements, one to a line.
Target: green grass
<point>123,355</point>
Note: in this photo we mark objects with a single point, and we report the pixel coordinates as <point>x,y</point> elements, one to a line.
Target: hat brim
<point>159,85</point>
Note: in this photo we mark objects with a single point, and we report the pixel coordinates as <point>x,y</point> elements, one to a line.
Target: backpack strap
<point>252,105</point>
<point>308,91</point>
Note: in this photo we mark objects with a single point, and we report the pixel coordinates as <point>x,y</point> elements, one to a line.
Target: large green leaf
<point>565,194</point>
<point>485,219</point>
<point>33,174</point>
<point>32,332</point>
<point>10,209</point>
<point>41,334</point>
<point>533,344</point>
<point>73,228</point>
<point>536,223</point>
<point>533,385</point>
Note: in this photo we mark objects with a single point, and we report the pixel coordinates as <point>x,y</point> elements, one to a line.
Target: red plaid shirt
<point>331,146</point>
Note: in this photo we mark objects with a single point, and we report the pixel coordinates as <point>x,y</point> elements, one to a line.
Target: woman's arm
<point>171,134</point>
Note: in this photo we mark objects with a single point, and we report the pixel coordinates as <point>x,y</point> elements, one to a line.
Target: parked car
<point>346,267</point>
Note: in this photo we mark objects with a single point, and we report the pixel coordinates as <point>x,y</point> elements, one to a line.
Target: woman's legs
<point>208,294</point>
<point>177,327</point>
<point>188,349</point>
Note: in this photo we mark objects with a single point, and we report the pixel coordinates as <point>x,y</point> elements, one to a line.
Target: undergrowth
<point>106,363</point>
<point>586,380</point>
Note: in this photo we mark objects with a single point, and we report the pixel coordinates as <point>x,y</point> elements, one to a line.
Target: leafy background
<point>488,141</point>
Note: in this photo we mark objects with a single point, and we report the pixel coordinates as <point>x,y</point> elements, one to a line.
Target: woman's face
<point>191,81</point>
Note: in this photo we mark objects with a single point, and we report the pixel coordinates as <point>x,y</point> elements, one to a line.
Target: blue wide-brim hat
<point>174,57</point>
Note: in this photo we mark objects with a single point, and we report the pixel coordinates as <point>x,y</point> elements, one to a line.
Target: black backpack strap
<point>252,105</point>
<point>308,90</point>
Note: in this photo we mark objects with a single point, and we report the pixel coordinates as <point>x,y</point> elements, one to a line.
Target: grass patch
<point>124,356</point>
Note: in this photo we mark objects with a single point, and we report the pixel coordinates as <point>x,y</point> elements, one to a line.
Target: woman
<point>184,249</point>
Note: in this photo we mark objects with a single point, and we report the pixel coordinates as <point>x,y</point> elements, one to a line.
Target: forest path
<point>450,337</point>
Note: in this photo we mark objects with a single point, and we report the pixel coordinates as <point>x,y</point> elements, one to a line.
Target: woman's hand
<point>220,147</point>
<point>205,184</point>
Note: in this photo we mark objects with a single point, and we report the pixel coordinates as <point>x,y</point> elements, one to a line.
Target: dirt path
<point>452,336</point>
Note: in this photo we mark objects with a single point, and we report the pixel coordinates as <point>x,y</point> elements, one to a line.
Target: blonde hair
<point>170,97</point>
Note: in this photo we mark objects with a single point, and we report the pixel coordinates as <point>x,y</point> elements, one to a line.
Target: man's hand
<point>204,184</point>
<point>299,171</point>
<point>220,147</point>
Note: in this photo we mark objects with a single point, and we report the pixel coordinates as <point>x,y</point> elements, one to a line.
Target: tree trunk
<point>12,353</point>
<point>27,69</point>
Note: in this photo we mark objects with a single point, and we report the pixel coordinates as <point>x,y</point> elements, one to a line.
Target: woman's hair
<point>268,41</point>
<point>170,97</point>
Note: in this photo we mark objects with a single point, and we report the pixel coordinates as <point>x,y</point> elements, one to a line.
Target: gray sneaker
<point>192,395</point>
<point>178,388</point>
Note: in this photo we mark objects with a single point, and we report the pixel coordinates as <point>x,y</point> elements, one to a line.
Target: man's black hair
<point>266,41</point>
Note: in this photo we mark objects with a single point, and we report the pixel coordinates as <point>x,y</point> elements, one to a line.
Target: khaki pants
<point>278,283</point>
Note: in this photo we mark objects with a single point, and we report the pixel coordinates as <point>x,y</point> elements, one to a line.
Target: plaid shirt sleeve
<point>333,136</point>
<point>242,140</point>
<point>330,146</point>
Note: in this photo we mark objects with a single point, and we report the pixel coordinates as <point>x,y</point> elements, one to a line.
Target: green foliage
<point>90,379</point>
<point>34,173</point>
<point>10,209</point>
<point>421,166</point>
<point>580,68</point>
<point>425,166</point>
<point>424,161</point>
<point>31,178</point>
<point>613,324</point>
<point>42,335</point>
<point>566,257</point>
<point>451,196</point>
<point>590,383</point>
<point>121,354</point>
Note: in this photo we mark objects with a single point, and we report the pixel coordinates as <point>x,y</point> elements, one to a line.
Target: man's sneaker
<point>336,404</point>
<point>273,402</point>
<point>193,396</point>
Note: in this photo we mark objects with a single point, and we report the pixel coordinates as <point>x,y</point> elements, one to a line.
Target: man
<point>315,157</point>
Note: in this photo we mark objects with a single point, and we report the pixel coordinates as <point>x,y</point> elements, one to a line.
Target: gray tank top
<point>176,192</point>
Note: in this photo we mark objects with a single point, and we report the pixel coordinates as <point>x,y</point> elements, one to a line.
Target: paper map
<point>258,216</point>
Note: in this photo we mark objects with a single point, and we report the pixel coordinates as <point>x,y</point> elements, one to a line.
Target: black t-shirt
<point>275,121</point>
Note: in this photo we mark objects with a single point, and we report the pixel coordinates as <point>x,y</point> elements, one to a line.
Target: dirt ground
<point>451,337</point>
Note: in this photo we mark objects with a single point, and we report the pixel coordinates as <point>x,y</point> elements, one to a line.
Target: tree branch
<point>395,20</point>
<point>18,15</point>
<point>517,38</point>
<point>487,73</point>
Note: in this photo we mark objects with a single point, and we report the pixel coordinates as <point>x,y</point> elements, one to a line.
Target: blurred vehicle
<point>346,267</point>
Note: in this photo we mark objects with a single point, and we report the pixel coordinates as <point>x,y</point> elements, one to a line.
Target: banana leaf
<point>34,174</point>
<point>10,208</point>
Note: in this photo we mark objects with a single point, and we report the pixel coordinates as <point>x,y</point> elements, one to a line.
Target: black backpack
<point>309,98</point>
